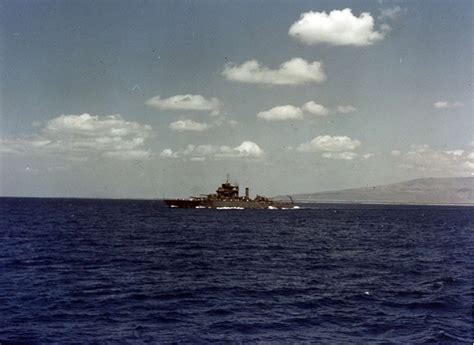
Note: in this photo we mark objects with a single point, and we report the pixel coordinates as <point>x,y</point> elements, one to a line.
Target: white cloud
<point>339,27</point>
<point>390,13</point>
<point>327,143</point>
<point>283,112</point>
<point>247,150</point>
<point>345,109</point>
<point>197,159</point>
<point>168,153</point>
<point>189,149</point>
<point>206,150</point>
<point>368,155</point>
<point>232,123</point>
<point>315,109</point>
<point>396,153</point>
<point>290,112</point>
<point>189,125</point>
<point>340,155</point>
<point>296,71</point>
<point>447,105</point>
<point>126,155</point>
<point>80,137</point>
<point>186,102</point>
<point>470,166</point>
<point>456,153</point>
<point>86,125</point>
<point>423,158</point>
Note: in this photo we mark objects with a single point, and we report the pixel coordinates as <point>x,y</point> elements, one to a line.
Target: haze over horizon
<point>161,98</point>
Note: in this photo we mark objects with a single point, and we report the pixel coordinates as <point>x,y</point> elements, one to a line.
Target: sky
<point>154,99</point>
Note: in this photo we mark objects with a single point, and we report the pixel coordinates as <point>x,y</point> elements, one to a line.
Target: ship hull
<point>230,204</point>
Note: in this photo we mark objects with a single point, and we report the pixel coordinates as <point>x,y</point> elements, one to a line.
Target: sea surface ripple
<point>104,271</point>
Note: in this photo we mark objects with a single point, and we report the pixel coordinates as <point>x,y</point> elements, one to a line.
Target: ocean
<point>127,271</point>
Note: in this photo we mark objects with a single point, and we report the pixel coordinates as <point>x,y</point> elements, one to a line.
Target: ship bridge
<point>228,191</point>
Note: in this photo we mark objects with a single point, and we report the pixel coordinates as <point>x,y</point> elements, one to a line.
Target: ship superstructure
<point>227,196</point>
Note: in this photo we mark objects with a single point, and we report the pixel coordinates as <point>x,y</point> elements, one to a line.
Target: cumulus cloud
<point>340,155</point>
<point>338,28</point>
<point>396,153</point>
<point>232,123</point>
<point>327,143</point>
<point>86,125</point>
<point>283,112</point>
<point>168,153</point>
<point>197,159</point>
<point>290,112</point>
<point>345,109</point>
<point>447,105</point>
<point>390,13</point>
<point>423,158</point>
<point>315,109</point>
<point>80,137</point>
<point>456,153</point>
<point>206,150</point>
<point>247,150</point>
<point>296,71</point>
<point>128,155</point>
<point>189,125</point>
<point>186,102</point>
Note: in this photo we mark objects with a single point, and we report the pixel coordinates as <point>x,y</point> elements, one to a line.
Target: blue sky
<point>164,98</point>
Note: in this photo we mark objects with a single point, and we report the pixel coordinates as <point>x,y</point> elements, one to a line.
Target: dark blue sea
<point>125,271</point>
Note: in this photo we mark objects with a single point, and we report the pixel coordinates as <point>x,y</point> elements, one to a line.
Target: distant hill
<point>455,190</point>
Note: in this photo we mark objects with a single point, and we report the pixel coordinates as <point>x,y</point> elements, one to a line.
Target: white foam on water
<point>173,206</point>
<point>272,208</point>
<point>229,208</point>
<point>200,207</point>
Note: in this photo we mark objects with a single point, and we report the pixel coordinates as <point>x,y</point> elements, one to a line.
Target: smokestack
<point>247,193</point>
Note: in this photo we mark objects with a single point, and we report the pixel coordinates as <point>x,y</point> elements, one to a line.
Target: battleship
<point>227,197</point>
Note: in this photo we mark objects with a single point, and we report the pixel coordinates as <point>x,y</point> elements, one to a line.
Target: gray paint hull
<point>250,204</point>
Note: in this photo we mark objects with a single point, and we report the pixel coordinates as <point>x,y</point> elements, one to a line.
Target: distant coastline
<point>423,191</point>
